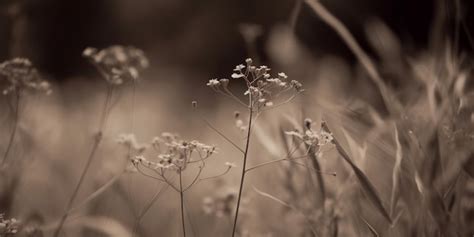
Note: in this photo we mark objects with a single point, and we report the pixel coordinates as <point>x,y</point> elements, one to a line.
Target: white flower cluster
<point>8,226</point>
<point>22,75</point>
<point>310,137</point>
<point>174,153</point>
<point>262,88</point>
<point>118,64</point>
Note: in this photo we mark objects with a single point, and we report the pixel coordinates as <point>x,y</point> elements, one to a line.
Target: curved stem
<point>15,127</point>
<point>242,177</point>
<point>148,207</point>
<point>181,198</point>
<point>96,193</point>
<point>97,140</point>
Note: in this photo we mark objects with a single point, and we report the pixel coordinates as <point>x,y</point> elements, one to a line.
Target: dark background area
<point>199,35</point>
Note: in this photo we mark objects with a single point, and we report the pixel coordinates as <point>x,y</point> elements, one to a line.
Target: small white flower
<point>282,75</point>
<point>239,68</point>
<point>213,83</point>
<point>269,104</point>
<point>237,75</point>
<point>230,165</point>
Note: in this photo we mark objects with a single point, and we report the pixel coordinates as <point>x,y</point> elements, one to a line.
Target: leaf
<point>396,173</point>
<point>367,186</point>
<point>355,148</point>
<point>372,229</point>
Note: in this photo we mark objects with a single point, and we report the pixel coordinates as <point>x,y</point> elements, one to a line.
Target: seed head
<point>118,64</point>
<point>22,75</point>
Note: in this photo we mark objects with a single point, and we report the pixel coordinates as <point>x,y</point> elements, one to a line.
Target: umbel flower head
<point>313,139</point>
<point>174,153</point>
<point>8,226</point>
<point>22,75</point>
<point>263,89</point>
<point>118,64</point>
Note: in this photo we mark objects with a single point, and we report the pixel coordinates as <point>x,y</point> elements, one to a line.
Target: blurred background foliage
<point>202,36</point>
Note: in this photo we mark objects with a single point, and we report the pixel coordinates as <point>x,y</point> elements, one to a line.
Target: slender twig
<point>195,179</point>
<point>97,140</point>
<point>15,126</point>
<point>220,133</point>
<point>216,176</point>
<point>181,198</point>
<point>276,161</point>
<point>147,207</point>
<point>99,191</point>
<point>242,177</point>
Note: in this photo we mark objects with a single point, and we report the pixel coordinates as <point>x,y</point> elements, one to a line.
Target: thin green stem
<point>181,198</point>
<point>90,158</point>
<point>242,177</point>
<point>15,127</point>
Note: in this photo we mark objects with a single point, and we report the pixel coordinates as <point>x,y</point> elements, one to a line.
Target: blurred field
<point>399,161</point>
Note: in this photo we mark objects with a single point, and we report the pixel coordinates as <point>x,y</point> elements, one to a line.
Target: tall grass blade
<point>367,186</point>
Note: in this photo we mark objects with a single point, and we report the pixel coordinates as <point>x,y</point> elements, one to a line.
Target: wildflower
<point>174,153</point>
<point>237,75</point>
<point>310,137</point>
<point>263,89</point>
<point>224,82</point>
<point>22,75</point>
<point>297,85</point>
<point>213,83</point>
<point>325,138</point>
<point>239,68</point>
<point>8,226</point>
<point>118,64</point>
<point>282,75</point>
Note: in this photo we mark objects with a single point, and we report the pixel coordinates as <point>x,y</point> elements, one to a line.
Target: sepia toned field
<point>283,145</point>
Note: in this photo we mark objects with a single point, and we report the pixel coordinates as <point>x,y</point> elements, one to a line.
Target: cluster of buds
<point>221,205</point>
<point>175,153</point>
<point>314,139</point>
<point>8,226</point>
<point>118,64</point>
<point>262,88</point>
<point>22,75</point>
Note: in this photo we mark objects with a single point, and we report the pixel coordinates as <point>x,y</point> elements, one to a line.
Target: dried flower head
<point>118,64</point>
<point>8,226</point>
<point>174,153</point>
<point>22,75</point>
<point>314,139</point>
<point>262,88</point>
